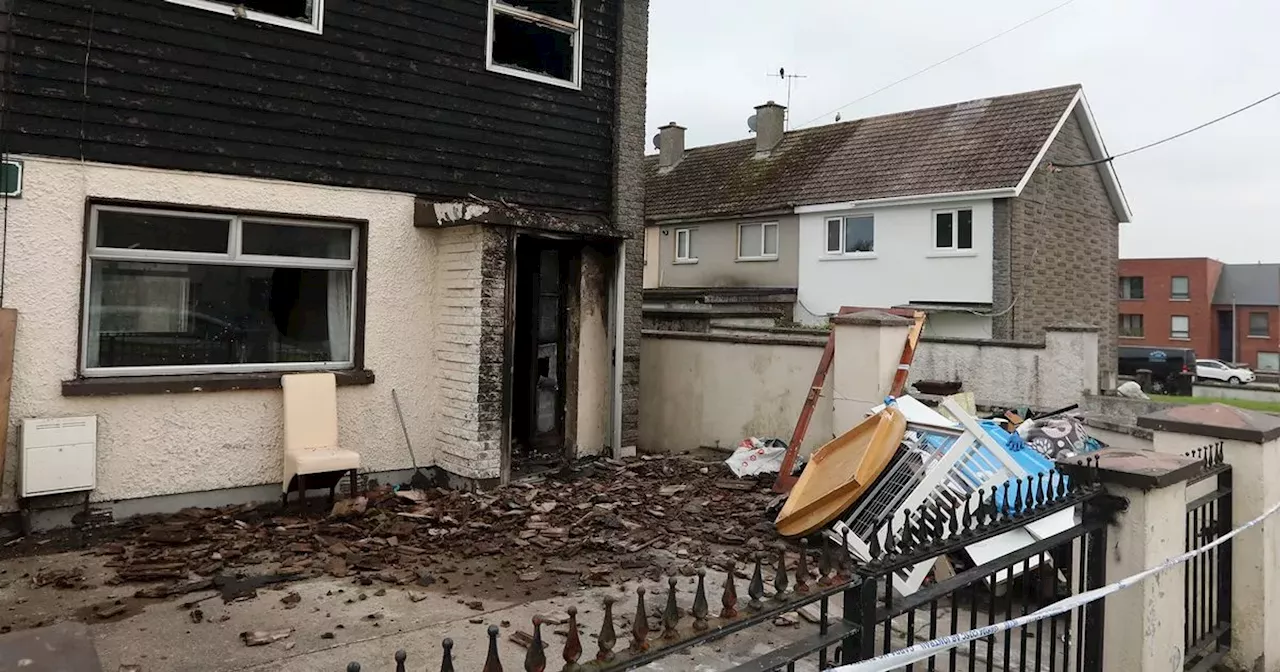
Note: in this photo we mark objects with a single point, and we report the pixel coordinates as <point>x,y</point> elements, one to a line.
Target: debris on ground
<point>583,524</point>
<point>106,610</point>
<point>264,637</point>
<point>65,579</point>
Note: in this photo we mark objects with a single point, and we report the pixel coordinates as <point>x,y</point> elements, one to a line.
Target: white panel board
<point>58,455</point>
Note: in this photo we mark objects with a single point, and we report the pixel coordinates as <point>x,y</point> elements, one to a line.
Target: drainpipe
<point>1235,329</point>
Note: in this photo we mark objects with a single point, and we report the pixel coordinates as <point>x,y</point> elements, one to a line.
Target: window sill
<point>205,382</point>
<point>1132,338</point>
<point>1179,338</point>
<point>537,76</point>
<point>942,254</point>
<point>684,262</point>
<point>1259,338</point>
<point>754,259</point>
<point>1180,299</point>
<point>848,257</point>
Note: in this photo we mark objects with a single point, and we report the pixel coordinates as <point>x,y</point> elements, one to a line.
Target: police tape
<point>925,650</point>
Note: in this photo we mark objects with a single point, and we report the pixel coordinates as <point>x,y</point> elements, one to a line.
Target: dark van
<point>1172,369</point>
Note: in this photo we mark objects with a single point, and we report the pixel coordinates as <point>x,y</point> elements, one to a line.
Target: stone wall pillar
<point>1144,625</point>
<point>1251,445</point>
<point>868,349</point>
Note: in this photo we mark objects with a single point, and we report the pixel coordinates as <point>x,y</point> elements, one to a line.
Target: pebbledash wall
<point>422,328</point>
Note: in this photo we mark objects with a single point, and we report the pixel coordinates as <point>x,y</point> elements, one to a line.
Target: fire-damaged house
<point>437,201</point>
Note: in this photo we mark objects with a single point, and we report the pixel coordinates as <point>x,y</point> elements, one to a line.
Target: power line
<point>942,62</point>
<point>1172,137</point>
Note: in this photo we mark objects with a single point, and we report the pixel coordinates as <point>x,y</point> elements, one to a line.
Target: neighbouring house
<point>960,210</point>
<point>439,201</point>
<point>1222,311</point>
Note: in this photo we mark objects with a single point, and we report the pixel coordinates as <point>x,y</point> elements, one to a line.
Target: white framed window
<point>305,15</point>
<point>758,242</point>
<point>953,230</point>
<point>684,247</point>
<point>1180,288</point>
<point>536,39</point>
<point>169,291</point>
<point>852,235</point>
<point>1180,327</point>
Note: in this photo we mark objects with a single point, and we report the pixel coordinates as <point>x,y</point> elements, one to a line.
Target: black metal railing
<point>1207,577</point>
<point>854,620</point>
<point>874,620</point>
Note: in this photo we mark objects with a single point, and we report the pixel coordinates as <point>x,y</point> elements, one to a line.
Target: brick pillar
<point>1251,445</point>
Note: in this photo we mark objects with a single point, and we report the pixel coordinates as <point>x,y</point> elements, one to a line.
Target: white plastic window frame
<point>764,235</point>
<point>1175,333</point>
<point>573,28</point>
<point>687,257</point>
<point>955,231</point>
<point>842,219</point>
<point>232,257</point>
<point>316,25</point>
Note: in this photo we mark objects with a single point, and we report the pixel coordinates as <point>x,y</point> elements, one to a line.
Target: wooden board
<point>840,472</point>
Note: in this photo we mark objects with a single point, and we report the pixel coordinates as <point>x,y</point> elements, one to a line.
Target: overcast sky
<point>1150,68</point>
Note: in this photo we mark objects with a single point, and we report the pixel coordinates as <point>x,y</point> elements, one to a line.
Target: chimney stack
<point>670,145</point>
<point>771,121</point>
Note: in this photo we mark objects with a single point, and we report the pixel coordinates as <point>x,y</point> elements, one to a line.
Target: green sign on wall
<point>11,178</point>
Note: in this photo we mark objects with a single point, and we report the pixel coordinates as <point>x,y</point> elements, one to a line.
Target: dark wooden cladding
<point>394,95</point>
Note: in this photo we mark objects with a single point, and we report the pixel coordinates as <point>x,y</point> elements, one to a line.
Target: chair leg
<point>302,491</point>
<point>332,488</point>
<point>352,477</point>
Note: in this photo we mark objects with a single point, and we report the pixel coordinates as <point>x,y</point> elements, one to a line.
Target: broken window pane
<point>833,236</point>
<point>750,238</point>
<point>964,230</point>
<point>557,9</point>
<point>527,46</point>
<point>771,239</point>
<point>942,230</point>
<point>289,9</point>
<point>859,234</point>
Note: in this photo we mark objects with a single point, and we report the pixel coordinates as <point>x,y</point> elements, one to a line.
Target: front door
<point>1226,336</point>
<point>538,373</point>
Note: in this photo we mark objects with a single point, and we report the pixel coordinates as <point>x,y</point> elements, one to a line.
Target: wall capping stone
<point>749,339</point>
<point>1217,421</point>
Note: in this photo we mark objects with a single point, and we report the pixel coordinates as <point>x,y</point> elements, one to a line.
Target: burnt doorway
<point>539,354</point>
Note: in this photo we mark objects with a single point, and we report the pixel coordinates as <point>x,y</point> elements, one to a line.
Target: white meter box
<point>59,455</point>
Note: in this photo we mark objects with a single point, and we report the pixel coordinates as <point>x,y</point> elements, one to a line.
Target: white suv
<point>1213,369</point>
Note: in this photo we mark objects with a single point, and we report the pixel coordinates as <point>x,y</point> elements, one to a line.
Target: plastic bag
<point>757,456</point>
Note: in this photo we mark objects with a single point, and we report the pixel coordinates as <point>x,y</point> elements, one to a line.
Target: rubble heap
<point>589,521</point>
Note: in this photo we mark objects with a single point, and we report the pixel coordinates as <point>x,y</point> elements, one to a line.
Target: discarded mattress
<point>839,473</point>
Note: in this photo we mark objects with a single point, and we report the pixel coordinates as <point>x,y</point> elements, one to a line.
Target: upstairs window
<point>1131,288</point>
<point>953,230</point>
<point>758,241</point>
<point>1180,327</point>
<point>1180,288</point>
<point>305,15</point>
<point>684,247</point>
<point>1259,325</point>
<point>1130,326</point>
<point>537,39</point>
<point>174,292</point>
<point>853,235</point>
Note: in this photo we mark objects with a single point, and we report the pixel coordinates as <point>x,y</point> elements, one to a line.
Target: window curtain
<point>340,316</point>
<point>339,300</point>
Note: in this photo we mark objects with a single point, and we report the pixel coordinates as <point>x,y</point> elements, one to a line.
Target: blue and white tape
<point>926,650</point>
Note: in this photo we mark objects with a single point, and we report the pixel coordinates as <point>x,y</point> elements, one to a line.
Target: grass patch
<point>1264,406</point>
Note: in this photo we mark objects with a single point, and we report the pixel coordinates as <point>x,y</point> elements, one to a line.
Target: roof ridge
<point>919,110</point>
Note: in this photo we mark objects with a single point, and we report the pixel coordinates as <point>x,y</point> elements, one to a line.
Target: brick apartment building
<point>1224,311</point>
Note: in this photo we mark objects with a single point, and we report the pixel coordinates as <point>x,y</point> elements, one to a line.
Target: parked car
<point>1172,369</point>
<point>1216,369</point>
